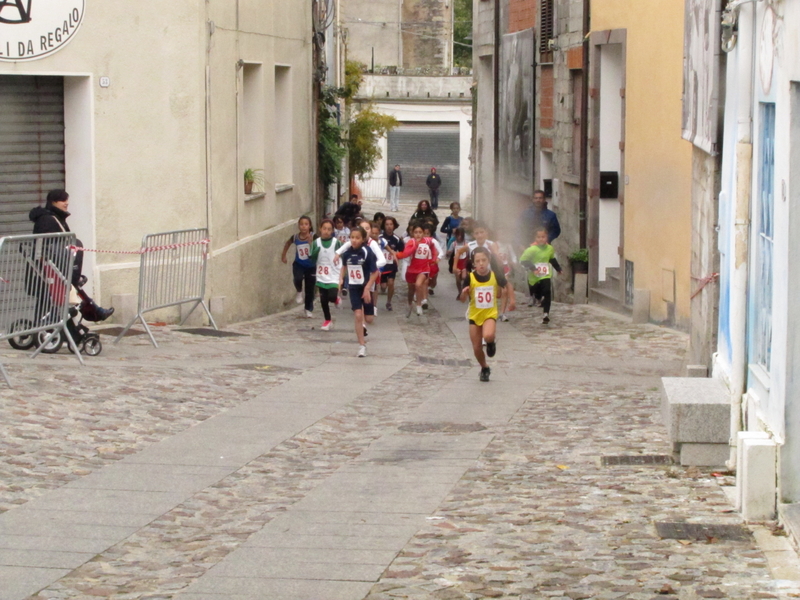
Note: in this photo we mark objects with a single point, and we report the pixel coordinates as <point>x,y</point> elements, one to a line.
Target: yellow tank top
<point>483,298</point>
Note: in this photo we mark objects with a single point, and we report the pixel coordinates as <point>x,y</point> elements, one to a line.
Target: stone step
<point>608,298</point>
<point>613,274</point>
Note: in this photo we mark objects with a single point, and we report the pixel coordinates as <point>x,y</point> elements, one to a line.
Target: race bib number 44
<point>356,274</point>
<point>484,297</point>
<point>541,269</point>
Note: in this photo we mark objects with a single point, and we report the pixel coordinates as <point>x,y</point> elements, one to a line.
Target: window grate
<point>546,24</point>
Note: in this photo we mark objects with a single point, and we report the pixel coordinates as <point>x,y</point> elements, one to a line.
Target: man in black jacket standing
<point>434,182</point>
<point>395,183</point>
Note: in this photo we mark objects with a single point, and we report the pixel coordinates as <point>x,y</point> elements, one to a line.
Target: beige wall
<point>658,163</point>
<point>151,164</point>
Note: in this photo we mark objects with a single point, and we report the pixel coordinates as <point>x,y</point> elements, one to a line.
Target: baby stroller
<point>88,342</point>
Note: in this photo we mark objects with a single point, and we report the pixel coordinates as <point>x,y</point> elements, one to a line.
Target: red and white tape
<point>204,242</point>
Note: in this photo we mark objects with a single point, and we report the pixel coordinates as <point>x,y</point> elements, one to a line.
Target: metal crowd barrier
<point>172,272</point>
<point>374,188</point>
<point>35,283</point>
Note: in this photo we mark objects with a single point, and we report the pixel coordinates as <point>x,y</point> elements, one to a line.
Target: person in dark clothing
<point>52,218</point>
<point>349,211</point>
<point>424,212</point>
<point>535,216</point>
<point>434,182</point>
<point>395,183</point>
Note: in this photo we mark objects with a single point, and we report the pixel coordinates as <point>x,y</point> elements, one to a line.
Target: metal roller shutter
<point>417,147</point>
<point>31,146</point>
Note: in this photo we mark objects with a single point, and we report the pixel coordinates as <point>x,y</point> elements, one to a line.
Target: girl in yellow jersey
<point>483,287</point>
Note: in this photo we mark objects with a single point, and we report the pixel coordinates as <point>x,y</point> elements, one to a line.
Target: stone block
<point>704,455</point>
<point>695,410</point>
<point>641,306</point>
<point>197,318</point>
<point>217,308</point>
<point>580,294</point>
<point>740,437</point>
<point>757,477</point>
<point>125,307</point>
<point>696,371</point>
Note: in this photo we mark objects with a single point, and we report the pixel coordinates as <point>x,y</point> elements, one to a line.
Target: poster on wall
<point>516,112</point>
<point>31,30</point>
<point>701,57</point>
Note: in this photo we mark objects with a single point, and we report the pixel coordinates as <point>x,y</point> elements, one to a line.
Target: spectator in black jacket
<point>434,182</point>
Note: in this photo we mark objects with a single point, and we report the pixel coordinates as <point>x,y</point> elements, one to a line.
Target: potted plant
<point>580,260</point>
<point>253,177</point>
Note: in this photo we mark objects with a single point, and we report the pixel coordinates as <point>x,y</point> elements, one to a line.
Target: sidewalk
<point>276,465</point>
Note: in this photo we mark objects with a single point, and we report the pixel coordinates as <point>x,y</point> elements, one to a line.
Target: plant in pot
<point>253,178</point>
<point>580,260</point>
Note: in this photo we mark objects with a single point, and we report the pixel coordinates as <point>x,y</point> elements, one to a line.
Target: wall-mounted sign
<point>31,29</point>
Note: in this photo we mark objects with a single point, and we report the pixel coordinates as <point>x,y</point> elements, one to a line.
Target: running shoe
<point>410,310</point>
<point>299,297</point>
<point>430,292</point>
<point>546,319</point>
<point>504,318</point>
<point>389,306</point>
<point>485,372</point>
<point>309,314</point>
<point>327,325</point>
<point>419,310</point>
<point>491,349</point>
<point>425,304</point>
<point>344,292</point>
<point>362,352</point>
<point>375,310</point>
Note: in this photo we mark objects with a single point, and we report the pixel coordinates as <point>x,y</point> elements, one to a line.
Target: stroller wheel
<point>92,346</point>
<point>21,342</point>
<point>54,345</point>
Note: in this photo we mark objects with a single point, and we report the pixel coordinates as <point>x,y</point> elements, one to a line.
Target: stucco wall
<point>658,166</point>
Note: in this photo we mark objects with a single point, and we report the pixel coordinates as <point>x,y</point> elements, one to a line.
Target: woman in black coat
<point>424,212</point>
<point>52,218</point>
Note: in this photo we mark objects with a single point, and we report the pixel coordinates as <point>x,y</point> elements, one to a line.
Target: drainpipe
<point>745,67</point>
<point>496,57</point>
<point>583,190</point>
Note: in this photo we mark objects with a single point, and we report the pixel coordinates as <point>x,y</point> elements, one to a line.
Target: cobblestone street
<point>277,465</point>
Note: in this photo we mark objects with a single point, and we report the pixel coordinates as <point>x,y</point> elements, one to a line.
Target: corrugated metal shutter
<point>417,148</point>
<point>31,146</point>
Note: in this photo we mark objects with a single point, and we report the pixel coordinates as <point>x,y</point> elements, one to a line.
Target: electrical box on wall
<point>556,192</point>
<point>609,184</point>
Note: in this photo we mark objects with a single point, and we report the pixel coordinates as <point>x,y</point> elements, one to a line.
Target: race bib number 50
<point>484,297</point>
<point>356,274</point>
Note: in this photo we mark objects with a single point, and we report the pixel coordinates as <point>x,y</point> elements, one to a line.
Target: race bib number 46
<point>541,269</point>
<point>484,297</point>
<point>356,274</point>
<point>303,252</point>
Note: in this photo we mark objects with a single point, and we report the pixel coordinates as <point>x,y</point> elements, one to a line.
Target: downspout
<point>744,175</point>
<point>497,36</point>
<point>209,163</point>
<point>583,190</point>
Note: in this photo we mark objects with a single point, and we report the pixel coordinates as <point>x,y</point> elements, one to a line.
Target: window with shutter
<point>546,24</point>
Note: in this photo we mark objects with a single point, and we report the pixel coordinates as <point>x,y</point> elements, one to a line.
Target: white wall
<point>433,113</point>
<point>611,69</point>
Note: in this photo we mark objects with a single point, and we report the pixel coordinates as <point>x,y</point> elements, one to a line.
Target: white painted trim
<point>252,238</point>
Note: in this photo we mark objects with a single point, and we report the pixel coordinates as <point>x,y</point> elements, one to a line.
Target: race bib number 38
<point>484,296</point>
<point>355,274</point>
<point>303,252</point>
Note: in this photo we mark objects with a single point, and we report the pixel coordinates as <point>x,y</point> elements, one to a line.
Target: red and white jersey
<point>422,254</point>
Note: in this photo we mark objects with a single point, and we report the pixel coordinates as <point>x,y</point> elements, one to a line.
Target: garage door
<point>31,146</point>
<point>417,148</point>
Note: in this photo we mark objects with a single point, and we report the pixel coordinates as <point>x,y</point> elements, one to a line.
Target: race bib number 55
<point>356,274</point>
<point>484,297</point>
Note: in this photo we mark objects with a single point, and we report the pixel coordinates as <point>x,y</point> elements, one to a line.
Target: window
<point>547,30</point>
<point>252,127</point>
<point>282,147</point>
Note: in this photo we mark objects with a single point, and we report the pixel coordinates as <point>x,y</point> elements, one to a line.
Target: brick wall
<point>546,97</point>
<point>521,15</point>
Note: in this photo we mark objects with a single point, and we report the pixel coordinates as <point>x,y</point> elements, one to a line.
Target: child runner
<point>451,222</point>
<point>482,289</point>
<point>303,267</point>
<point>455,248</point>
<point>379,218</point>
<point>323,253</point>
<point>390,241</point>
<point>362,271</point>
<point>481,234</point>
<point>340,231</point>
<point>507,258</point>
<point>429,230</point>
<point>422,253</point>
<point>538,259</point>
